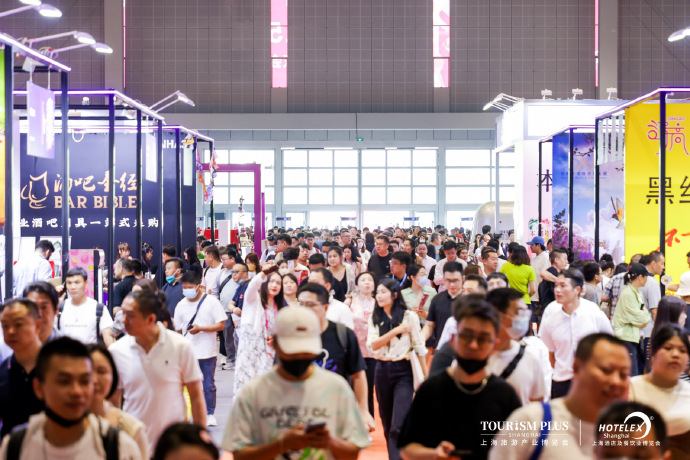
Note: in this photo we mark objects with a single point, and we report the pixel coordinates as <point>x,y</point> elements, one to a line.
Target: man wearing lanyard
<point>400,260</point>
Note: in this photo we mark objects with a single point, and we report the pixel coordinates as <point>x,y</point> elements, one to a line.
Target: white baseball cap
<point>684,285</point>
<point>298,330</point>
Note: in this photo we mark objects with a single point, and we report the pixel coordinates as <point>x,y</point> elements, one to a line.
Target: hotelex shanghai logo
<point>627,430</point>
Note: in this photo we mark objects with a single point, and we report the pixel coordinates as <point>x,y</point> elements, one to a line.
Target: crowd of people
<point>471,348</point>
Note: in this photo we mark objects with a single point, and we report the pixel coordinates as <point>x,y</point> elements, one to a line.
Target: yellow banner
<point>642,131</point>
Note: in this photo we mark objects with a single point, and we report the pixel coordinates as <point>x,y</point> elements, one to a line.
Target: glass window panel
<point>383,219</point>
<point>399,158</point>
<point>399,177</point>
<point>296,220</point>
<point>345,195</point>
<point>320,195</point>
<point>269,195</point>
<point>507,158</point>
<point>241,178</point>
<point>221,156</point>
<point>424,157</point>
<point>373,176</point>
<point>320,158</point>
<point>346,177</point>
<point>507,194</point>
<point>373,195</point>
<point>206,155</point>
<point>345,158</point>
<point>399,195</point>
<point>267,176</point>
<point>506,176</point>
<point>262,157</point>
<point>221,178</point>
<point>424,176</point>
<point>373,158</point>
<point>473,176</point>
<point>292,195</point>
<point>468,157</point>
<point>468,195</point>
<point>241,192</point>
<point>220,195</point>
<point>456,219</point>
<point>295,158</point>
<point>424,195</point>
<point>295,177</point>
<point>320,177</point>
<point>207,178</point>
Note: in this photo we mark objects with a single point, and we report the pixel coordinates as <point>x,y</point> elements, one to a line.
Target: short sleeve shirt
<point>79,321</point>
<point>519,277</point>
<point>335,358</point>
<point>439,312</point>
<point>17,398</point>
<point>210,312</point>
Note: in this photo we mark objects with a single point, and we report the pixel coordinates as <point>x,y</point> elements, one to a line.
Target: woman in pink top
<point>362,305</point>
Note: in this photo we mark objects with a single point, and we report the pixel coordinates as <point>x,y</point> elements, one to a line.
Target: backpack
<point>110,443</point>
<point>99,314</point>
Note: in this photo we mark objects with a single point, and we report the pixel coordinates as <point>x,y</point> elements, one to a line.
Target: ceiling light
<point>30,2</point>
<point>101,48</point>
<point>546,93</point>
<point>679,34</point>
<point>576,92</point>
<point>81,37</point>
<point>612,93</point>
<point>48,11</point>
<point>178,96</point>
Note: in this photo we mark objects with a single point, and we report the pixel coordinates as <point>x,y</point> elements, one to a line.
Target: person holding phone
<point>418,297</point>
<point>296,409</point>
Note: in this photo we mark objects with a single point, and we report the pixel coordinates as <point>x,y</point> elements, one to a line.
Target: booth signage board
<point>40,104</point>
<point>612,210</point>
<point>41,192</point>
<point>642,183</point>
<point>188,195</point>
<point>582,225</point>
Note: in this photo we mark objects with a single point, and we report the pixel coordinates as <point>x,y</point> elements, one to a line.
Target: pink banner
<point>84,258</point>
<point>279,43</point>
<point>441,73</point>
<point>279,73</point>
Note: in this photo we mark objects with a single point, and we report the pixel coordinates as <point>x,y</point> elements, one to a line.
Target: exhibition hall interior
<point>320,229</point>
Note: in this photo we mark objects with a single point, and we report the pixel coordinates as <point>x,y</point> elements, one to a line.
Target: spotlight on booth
<point>44,9</point>
<point>546,94</point>
<point>679,34</point>
<point>177,96</point>
<point>576,92</point>
<point>98,47</point>
<point>497,102</point>
<point>81,37</point>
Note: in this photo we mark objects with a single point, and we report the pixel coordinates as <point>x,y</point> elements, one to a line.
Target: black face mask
<point>296,367</point>
<point>471,366</point>
<point>63,422</point>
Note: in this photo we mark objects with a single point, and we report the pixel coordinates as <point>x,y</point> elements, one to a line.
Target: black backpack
<point>99,313</point>
<point>110,443</point>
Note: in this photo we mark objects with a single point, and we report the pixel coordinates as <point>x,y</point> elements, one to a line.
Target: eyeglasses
<point>482,341</point>
<point>452,281</point>
<point>310,304</point>
<point>237,272</point>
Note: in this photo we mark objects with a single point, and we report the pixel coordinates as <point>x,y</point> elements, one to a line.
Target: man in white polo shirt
<point>154,365</point>
<point>565,322</point>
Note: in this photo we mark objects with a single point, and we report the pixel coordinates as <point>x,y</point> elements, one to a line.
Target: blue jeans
<point>632,349</point>
<point>394,392</point>
<point>229,341</point>
<point>208,370</point>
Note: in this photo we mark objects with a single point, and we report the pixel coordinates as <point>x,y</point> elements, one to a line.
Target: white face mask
<point>189,293</point>
<point>520,324</point>
<point>423,281</point>
<point>360,244</point>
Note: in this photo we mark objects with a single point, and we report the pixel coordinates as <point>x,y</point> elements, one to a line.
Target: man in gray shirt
<point>655,262</point>
<point>226,291</point>
<point>592,273</point>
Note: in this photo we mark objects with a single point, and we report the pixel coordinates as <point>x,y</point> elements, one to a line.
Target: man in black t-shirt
<point>380,261</point>
<point>455,410</point>
<point>440,309</point>
<point>341,353</point>
<point>559,260</point>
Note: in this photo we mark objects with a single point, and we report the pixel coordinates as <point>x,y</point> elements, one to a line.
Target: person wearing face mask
<point>419,295</point>
<point>460,408</point>
<point>601,374</point>
<point>198,317</point>
<point>515,360</point>
<point>364,252</point>
<point>296,409</point>
<point>66,428</point>
<point>172,286</point>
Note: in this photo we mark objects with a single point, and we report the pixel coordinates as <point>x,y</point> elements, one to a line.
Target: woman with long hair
<point>253,264</point>
<point>342,274</point>
<point>630,315</point>
<point>664,390</point>
<point>369,242</point>
<point>362,306</point>
<point>350,258</point>
<point>290,286</point>
<point>393,332</point>
<point>520,273</point>
<point>190,255</point>
<point>671,310</point>
<point>419,295</point>
<point>262,300</point>
<point>105,383</point>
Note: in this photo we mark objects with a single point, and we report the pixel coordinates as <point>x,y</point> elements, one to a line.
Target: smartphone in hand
<point>314,426</point>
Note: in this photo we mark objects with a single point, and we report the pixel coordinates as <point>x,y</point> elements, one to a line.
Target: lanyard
<point>403,280</point>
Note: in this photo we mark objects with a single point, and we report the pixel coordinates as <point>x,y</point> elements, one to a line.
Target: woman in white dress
<point>255,352</point>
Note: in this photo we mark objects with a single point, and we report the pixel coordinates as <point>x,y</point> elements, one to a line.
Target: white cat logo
<point>645,419</point>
